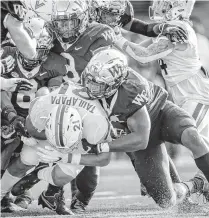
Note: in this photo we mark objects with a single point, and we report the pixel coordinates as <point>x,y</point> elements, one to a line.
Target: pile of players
<point>74,99</point>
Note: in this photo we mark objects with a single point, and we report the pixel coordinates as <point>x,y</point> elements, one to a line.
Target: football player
<point>120,13</point>
<point>140,115</point>
<point>62,117</point>
<point>77,41</point>
<point>146,119</point>
<point>37,70</point>
<point>12,16</point>
<point>186,79</point>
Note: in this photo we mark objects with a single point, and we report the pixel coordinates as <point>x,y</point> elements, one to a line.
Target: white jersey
<point>183,76</point>
<point>94,118</point>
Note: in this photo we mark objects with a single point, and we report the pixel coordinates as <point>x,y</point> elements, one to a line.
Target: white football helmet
<point>105,72</point>
<point>38,29</point>
<point>63,128</point>
<point>69,19</point>
<point>167,10</point>
<point>109,11</point>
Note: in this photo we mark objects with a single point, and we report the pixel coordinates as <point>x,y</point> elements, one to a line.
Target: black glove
<point>18,123</point>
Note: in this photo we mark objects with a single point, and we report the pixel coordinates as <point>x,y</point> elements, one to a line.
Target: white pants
<point>29,157</point>
<point>200,113</point>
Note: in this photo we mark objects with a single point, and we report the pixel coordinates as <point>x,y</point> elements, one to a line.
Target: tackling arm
<point>154,51</point>
<point>139,125</point>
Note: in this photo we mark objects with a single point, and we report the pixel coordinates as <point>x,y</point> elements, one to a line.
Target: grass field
<point>118,195</point>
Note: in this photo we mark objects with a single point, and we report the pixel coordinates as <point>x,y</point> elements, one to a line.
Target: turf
<point>118,195</point>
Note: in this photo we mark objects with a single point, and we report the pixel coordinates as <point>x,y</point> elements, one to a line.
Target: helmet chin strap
<point>108,108</point>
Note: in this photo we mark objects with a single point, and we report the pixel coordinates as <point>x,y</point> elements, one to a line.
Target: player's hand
<point>18,123</point>
<point>48,154</point>
<point>174,33</point>
<point>7,64</point>
<point>15,84</point>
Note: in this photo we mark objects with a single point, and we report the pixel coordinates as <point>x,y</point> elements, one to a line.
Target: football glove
<point>173,33</point>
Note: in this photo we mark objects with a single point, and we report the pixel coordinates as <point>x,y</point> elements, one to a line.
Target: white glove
<point>50,155</point>
<point>29,141</point>
<point>15,84</point>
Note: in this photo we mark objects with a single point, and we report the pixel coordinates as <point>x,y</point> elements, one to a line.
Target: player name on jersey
<point>73,101</point>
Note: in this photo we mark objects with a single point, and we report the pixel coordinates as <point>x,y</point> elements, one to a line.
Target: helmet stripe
<point>57,126</point>
<point>61,126</point>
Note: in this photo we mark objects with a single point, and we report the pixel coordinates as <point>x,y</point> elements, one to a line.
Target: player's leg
<point>86,181</point>
<point>18,168</point>
<point>57,176</point>
<point>152,167</point>
<point>182,130</point>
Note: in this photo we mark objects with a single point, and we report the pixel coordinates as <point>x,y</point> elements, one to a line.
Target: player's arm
<point>154,51</point>
<point>139,125</point>
<point>128,22</point>
<point>25,44</point>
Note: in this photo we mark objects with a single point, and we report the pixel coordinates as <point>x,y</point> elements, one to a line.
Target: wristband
<point>105,147</point>
<point>76,158</point>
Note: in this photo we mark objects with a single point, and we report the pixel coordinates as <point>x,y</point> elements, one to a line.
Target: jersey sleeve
<point>105,37</point>
<point>17,9</point>
<point>95,128</point>
<point>39,110</point>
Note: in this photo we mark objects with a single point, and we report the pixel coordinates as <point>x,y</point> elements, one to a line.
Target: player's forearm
<point>144,28</point>
<point>102,159</point>
<point>25,44</point>
<point>129,143</point>
<point>144,54</point>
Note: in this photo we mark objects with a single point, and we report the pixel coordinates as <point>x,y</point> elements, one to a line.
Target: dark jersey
<point>16,8</point>
<point>79,54</point>
<point>135,93</point>
<point>40,76</point>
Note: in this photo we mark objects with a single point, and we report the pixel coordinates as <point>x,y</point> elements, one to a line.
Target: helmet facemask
<point>68,27</point>
<point>110,12</point>
<point>167,10</point>
<point>98,86</point>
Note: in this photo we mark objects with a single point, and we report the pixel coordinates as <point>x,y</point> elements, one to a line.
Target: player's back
<point>183,73</point>
<point>95,124</point>
<point>135,93</point>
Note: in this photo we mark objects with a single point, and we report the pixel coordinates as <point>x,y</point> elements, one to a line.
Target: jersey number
<point>71,67</point>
